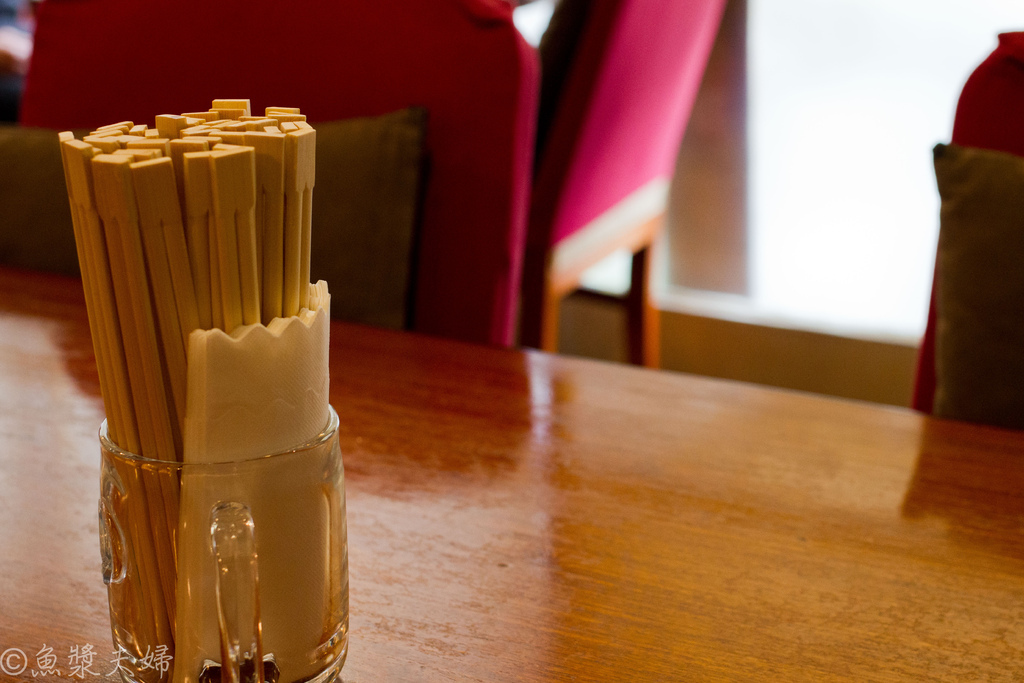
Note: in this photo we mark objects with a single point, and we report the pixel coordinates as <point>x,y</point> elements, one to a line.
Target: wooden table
<point>524,517</point>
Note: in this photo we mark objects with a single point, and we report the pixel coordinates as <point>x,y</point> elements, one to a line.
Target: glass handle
<point>238,602</point>
<point>112,546</point>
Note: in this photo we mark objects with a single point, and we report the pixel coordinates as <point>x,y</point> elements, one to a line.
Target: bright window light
<point>847,99</point>
<point>532,19</point>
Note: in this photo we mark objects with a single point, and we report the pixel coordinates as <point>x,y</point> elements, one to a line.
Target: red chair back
<point>988,115</point>
<point>621,113</point>
<point>100,61</point>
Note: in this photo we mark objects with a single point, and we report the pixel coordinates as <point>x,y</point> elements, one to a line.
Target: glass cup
<point>232,571</point>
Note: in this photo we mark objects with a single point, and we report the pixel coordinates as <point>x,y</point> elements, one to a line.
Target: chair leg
<point>538,323</point>
<point>642,321</point>
<point>549,322</point>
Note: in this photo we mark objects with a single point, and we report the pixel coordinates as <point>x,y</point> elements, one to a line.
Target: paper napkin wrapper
<point>257,391</point>
<point>260,389</point>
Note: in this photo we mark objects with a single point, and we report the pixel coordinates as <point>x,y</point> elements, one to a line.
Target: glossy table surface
<point>515,516</point>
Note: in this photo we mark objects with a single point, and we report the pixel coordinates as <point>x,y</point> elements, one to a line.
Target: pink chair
<point>100,61</point>
<point>988,116</point>
<point>610,125</point>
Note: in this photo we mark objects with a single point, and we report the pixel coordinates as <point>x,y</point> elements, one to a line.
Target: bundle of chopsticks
<point>200,222</point>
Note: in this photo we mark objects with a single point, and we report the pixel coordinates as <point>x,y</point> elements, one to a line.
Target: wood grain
<point>524,517</point>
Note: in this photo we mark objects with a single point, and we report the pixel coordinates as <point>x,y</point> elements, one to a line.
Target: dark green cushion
<point>35,216</point>
<point>365,210</point>
<point>979,346</point>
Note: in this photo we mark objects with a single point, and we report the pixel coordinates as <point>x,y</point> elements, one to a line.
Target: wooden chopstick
<point>301,163</point>
<point>202,242</point>
<point>167,264</point>
<point>139,154</point>
<point>199,129</point>
<point>231,113</point>
<point>204,115</point>
<point>198,248</point>
<point>161,144</point>
<point>270,153</point>
<point>232,105</point>
<point>169,125</point>
<point>108,132</point>
<point>283,117</point>
<point>258,123</point>
<point>120,124</point>
<point>115,203</point>
<point>100,305</point>
<point>233,172</point>
<point>300,167</point>
<point>106,144</point>
<point>231,137</point>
